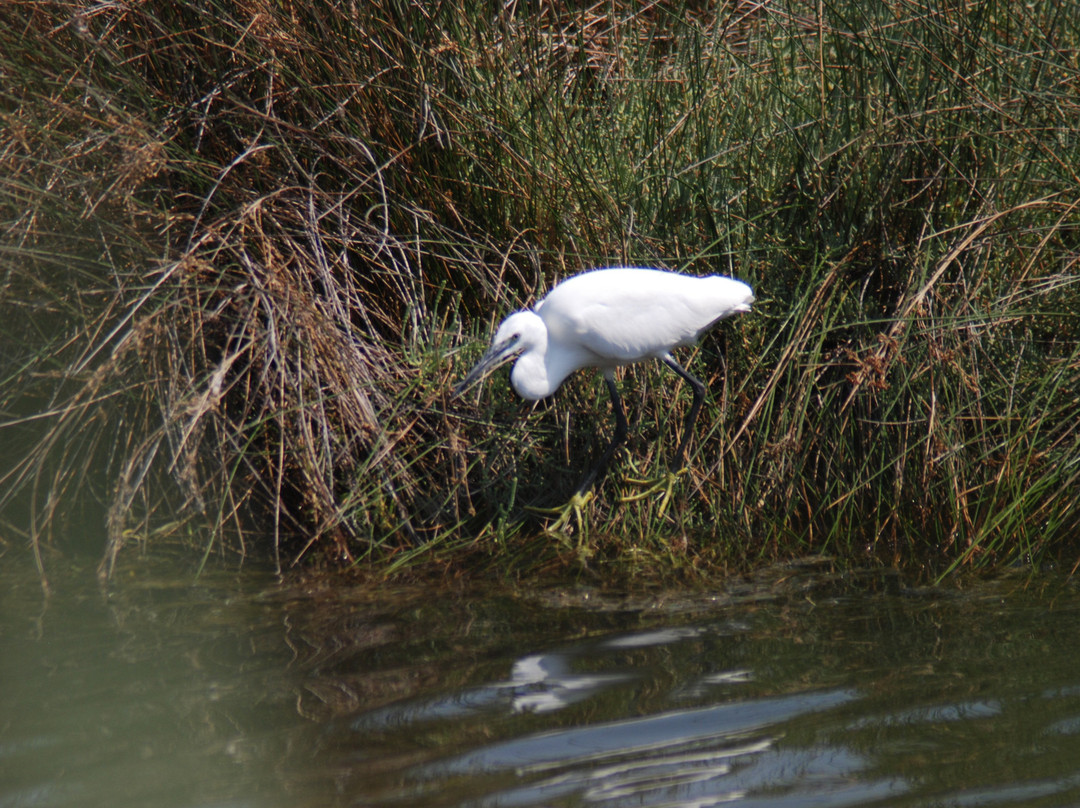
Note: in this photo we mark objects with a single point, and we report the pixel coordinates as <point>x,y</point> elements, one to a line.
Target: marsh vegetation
<point>248,247</point>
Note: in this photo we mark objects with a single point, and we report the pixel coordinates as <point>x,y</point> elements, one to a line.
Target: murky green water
<point>795,690</point>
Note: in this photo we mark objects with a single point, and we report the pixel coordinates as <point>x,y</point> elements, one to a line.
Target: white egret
<point>604,319</point>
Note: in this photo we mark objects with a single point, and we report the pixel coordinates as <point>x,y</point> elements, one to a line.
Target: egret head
<point>518,332</point>
<point>743,306</point>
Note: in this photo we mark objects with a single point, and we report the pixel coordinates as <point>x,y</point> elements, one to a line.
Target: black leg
<point>691,417</point>
<point>617,440</point>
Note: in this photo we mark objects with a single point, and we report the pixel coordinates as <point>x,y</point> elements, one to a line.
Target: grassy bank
<point>248,247</point>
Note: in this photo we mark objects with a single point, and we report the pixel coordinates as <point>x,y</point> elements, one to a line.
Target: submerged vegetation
<point>248,247</point>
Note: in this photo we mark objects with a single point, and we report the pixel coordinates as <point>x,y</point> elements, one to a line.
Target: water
<point>799,688</point>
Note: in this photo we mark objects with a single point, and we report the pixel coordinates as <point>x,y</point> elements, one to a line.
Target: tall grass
<point>248,247</point>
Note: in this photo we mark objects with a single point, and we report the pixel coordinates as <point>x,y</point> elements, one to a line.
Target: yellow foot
<point>665,483</point>
<point>572,509</point>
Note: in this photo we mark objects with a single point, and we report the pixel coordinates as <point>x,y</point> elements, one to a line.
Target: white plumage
<point>607,318</point>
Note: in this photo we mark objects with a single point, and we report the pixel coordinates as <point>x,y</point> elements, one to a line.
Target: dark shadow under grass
<point>248,248</point>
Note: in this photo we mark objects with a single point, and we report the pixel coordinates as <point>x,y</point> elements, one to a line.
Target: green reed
<point>278,234</point>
